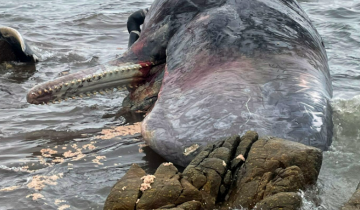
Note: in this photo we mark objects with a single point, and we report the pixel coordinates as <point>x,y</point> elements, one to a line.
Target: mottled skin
<point>231,66</point>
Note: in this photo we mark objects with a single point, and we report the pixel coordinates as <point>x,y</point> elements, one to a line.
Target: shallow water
<point>71,35</point>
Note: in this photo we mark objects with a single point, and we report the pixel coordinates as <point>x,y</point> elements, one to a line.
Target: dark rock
<point>245,143</point>
<point>354,202</point>
<point>164,191</point>
<point>221,153</point>
<point>169,206</point>
<point>166,171</point>
<point>272,174</point>
<point>242,150</point>
<point>189,193</point>
<point>231,143</point>
<point>169,190</point>
<point>195,176</point>
<point>273,166</point>
<point>207,171</point>
<point>227,178</point>
<point>223,190</point>
<point>126,191</point>
<point>191,205</point>
<point>199,158</point>
<point>289,179</point>
<point>283,201</point>
<point>214,163</point>
<point>211,188</point>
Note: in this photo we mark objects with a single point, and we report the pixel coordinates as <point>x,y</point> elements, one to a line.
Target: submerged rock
<point>231,173</point>
<point>354,202</point>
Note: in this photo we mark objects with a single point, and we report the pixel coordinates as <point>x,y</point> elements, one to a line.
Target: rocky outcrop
<point>233,172</point>
<point>282,200</point>
<point>354,202</point>
<point>273,166</point>
<point>167,190</point>
<point>213,169</point>
<point>125,193</point>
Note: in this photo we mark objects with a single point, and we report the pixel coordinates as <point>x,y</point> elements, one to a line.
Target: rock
<point>125,192</point>
<point>354,202</point>
<point>242,150</point>
<point>289,179</point>
<point>283,201</point>
<point>274,165</point>
<point>168,190</point>
<point>261,174</point>
<point>191,205</point>
<point>195,176</point>
<point>189,193</point>
<point>208,172</point>
<point>164,191</point>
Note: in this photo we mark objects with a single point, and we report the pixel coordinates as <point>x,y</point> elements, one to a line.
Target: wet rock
<point>283,201</point>
<point>289,179</point>
<point>125,192</point>
<point>262,174</point>
<point>195,176</point>
<point>191,205</point>
<point>273,166</point>
<point>242,150</point>
<point>189,193</point>
<point>164,191</point>
<point>167,190</point>
<point>354,202</point>
<point>209,173</point>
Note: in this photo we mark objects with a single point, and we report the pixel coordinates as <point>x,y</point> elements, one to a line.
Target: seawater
<point>71,35</point>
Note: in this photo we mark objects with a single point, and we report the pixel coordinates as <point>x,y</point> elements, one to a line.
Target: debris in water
<point>120,131</point>
<point>58,201</point>
<point>75,155</point>
<point>35,196</point>
<point>89,146</point>
<point>58,160</point>
<point>8,189</point>
<point>63,207</point>
<point>38,182</point>
<point>47,152</point>
<point>43,161</point>
<point>97,160</point>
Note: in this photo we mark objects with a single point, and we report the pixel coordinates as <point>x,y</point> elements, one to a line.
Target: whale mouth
<point>86,83</point>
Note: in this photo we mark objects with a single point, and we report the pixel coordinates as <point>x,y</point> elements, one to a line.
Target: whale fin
<point>13,46</point>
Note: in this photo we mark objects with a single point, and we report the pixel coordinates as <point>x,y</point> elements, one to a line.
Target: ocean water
<point>54,157</point>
